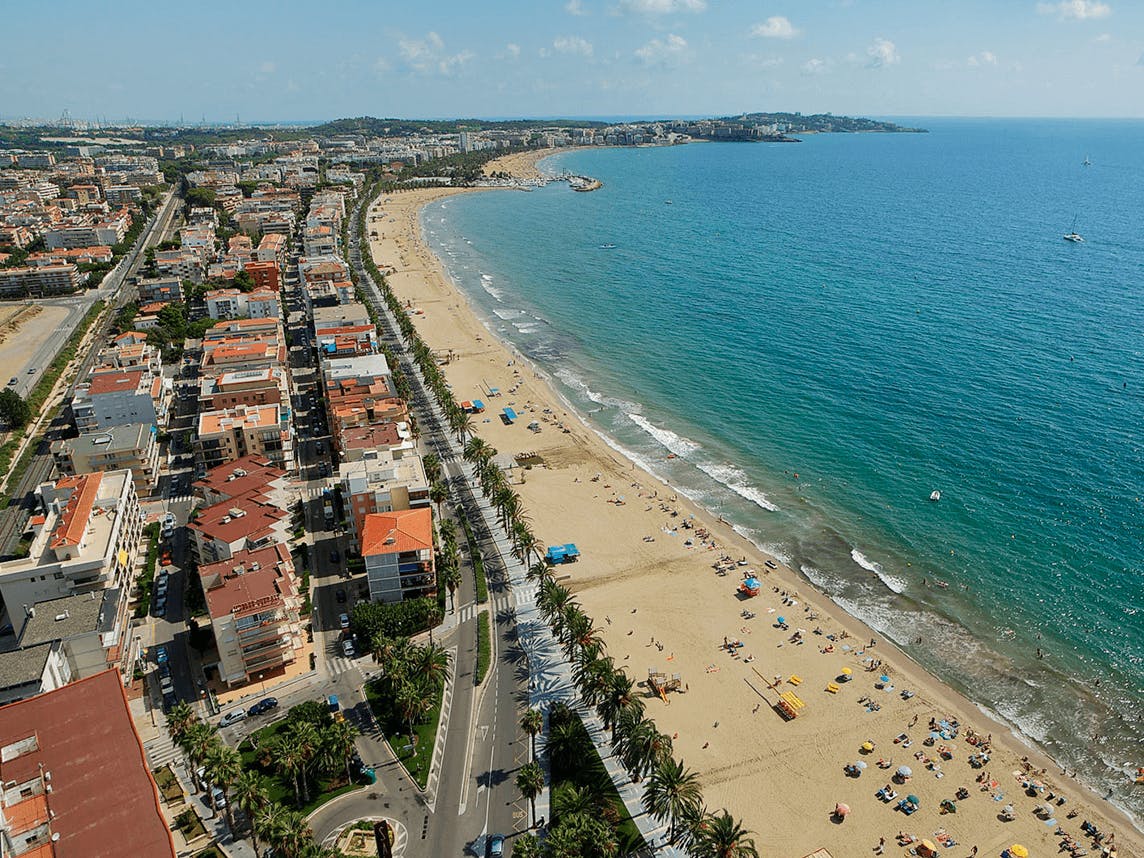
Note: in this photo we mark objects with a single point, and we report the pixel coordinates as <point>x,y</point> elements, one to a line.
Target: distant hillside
<point>822,122</point>
<point>374,127</point>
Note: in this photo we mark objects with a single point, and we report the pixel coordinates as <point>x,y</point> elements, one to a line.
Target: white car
<point>231,718</point>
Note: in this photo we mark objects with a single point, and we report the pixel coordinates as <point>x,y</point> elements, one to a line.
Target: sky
<point>260,60</point>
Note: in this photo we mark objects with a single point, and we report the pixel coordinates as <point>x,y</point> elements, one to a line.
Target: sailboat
<point>1086,162</point>
<point>1073,235</point>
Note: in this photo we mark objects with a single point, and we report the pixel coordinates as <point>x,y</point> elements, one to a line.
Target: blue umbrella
<point>782,619</point>
<point>884,678</point>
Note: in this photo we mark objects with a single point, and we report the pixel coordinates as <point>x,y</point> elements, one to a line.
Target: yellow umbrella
<point>928,847</point>
<point>1018,851</point>
<point>847,671</point>
<point>867,746</point>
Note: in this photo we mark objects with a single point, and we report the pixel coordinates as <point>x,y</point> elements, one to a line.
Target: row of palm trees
<point>510,509</point>
<point>270,823</point>
<point>671,791</point>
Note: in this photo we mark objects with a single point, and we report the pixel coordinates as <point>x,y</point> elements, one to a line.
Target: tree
<point>618,696</point>
<point>200,197</point>
<point>452,580</point>
<point>643,747</point>
<point>224,765</point>
<point>179,719</point>
<point>339,738</point>
<point>14,411</point>
<point>251,797</point>
<point>532,722</point>
<point>270,822</point>
<point>530,782</point>
<point>527,846</point>
<point>432,663</point>
<point>197,741</point>
<point>721,836</point>
<point>671,792</point>
<point>565,741</point>
<point>243,282</point>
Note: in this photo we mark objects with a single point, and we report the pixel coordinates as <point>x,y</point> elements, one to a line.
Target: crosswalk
<point>161,750</point>
<point>180,499</point>
<point>336,665</point>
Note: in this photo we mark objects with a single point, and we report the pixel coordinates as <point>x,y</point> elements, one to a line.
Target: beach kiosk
<point>558,554</point>
<point>477,406</point>
<point>749,587</point>
<point>508,416</point>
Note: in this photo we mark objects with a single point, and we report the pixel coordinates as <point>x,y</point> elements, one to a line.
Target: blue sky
<point>287,60</point>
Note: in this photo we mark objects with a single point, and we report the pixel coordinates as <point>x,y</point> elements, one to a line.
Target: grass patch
<point>190,825</point>
<point>168,784</point>
<point>416,759</point>
<point>146,580</point>
<point>585,769</point>
<point>484,646</point>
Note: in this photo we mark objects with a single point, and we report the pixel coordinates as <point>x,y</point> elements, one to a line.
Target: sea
<point>810,338</point>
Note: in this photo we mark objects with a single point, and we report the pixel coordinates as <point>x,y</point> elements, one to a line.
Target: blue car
<point>496,846</point>
<point>161,655</point>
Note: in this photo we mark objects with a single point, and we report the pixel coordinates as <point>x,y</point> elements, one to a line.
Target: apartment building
<point>221,531</point>
<point>160,289</point>
<point>85,539</point>
<point>398,551</point>
<point>251,387</point>
<point>265,275</point>
<point>232,433</point>
<point>233,303</point>
<point>254,603</point>
<point>114,397</point>
<point>39,281</point>
<point>272,248</point>
<point>132,446</point>
<point>251,477</point>
<point>182,264</point>
<point>77,781</point>
<point>382,481</point>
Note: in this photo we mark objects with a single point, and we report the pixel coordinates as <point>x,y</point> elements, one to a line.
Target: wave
<point>578,384</point>
<point>507,314</point>
<point>675,443</point>
<point>734,479</point>
<point>894,583</point>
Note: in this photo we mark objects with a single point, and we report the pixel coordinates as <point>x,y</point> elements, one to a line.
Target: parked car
<point>218,799</point>
<point>232,718</point>
<point>166,685</point>
<point>263,705</point>
<point>348,648</point>
<point>496,846</point>
<point>335,556</point>
<point>343,621</point>
<point>165,669</point>
<point>169,700</point>
<point>161,654</point>
<point>340,595</point>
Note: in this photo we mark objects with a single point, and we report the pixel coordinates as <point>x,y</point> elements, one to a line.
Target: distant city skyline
<point>571,58</point>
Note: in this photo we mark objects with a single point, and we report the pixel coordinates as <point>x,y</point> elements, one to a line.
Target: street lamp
<point>263,684</point>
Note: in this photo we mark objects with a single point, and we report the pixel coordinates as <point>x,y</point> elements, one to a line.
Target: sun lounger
<point>795,679</point>
<point>832,688</point>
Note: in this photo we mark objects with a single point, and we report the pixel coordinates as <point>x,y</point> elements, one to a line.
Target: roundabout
<point>355,839</point>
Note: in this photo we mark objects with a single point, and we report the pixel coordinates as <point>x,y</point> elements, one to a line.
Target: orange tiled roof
<point>73,519</point>
<point>397,532</point>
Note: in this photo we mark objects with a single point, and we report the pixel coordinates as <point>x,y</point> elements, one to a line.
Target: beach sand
<point>660,604</point>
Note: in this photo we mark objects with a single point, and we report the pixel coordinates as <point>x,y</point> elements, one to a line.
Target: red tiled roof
<point>103,800</point>
<point>255,522</point>
<point>111,382</point>
<point>253,589</point>
<point>397,532</point>
<point>259,474</point>
<point>73,519</point>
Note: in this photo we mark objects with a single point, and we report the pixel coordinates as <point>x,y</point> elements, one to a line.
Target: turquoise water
<point>824,333</point>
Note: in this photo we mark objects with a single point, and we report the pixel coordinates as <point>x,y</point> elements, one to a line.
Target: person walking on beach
<point>881,847</point>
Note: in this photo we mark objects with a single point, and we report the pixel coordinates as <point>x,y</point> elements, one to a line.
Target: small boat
<point>667,202</point>
<point>1072,235</point>
<point>935,496</point>
<point>770,564</point>
<point>1086,162</point>
<point>607,247</point>
<point>943,584</point>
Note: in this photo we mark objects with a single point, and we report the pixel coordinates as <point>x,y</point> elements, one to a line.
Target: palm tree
<point>571,799</point>
<point>552,599</point>
<point>596,679</point>
<point>432,662</point>
<point>477,449</point>
<point>532,722</point>
<point>721,836</point>
<point>538,571</point>
<point>527,846</point>
<point>432,464</point>
<point>619,695</point>
<point>197,741</point>
<point>527,542</point>
<point>578,630</point>
<point>251,797</point>
<point>412,701</point>
<point>224,765</point>
<point>452,580</point>
<point>438,494</point>
<point>296,834</point>
<point>179,719</point>
<point>671,792</point>
<point>338,739</point>
<point>303,737</point>
<point>565,740</point>
<point>270,822</point>
<point>644,748</point>
<point>530,782</point>
<point>463,426</point>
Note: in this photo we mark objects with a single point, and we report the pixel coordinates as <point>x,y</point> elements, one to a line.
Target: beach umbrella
<point>846,671</point>
<point>1018,851</point>
<point>927,847</point>
<point>867,746</point>
<point>843,809</point>
<point>884,678</point>
<point>781,620</point>
<point>905,772</point>
<point>913,799</point>
<point>860,765</point>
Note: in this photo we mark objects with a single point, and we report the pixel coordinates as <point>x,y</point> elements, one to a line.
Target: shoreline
<point>566,506</point>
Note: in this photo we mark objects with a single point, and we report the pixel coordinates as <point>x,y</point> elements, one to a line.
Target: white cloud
<point>268,67</point>
<point>1103,37</point>
<point>511,51</point>
<point>775,27</point>
<point>882,53</point>
<point>663,51</point>
<point>1140,62</point>
<point>1077,10</point>
<point>572,45</point>
<point>662,7</point>
<point>575,7</point>
<point>985,58</point>
<point>814,66</point>
<point>427,56</point>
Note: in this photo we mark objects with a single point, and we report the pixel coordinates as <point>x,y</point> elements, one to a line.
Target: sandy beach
<point>647,575</point>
